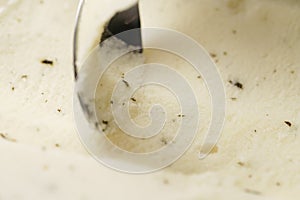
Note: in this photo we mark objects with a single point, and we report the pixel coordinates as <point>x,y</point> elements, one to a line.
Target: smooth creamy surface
<point>255,43</point>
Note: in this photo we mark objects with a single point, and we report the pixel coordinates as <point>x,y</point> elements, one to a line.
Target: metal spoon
<point>122,21</point>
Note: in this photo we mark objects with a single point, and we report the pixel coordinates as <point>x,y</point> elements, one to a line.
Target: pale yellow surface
<point>258,155</point>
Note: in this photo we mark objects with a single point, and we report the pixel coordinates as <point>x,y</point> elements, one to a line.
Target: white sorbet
<point>255,43</point>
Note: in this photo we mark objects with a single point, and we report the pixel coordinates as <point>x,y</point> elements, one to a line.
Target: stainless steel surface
<point>122,21</point>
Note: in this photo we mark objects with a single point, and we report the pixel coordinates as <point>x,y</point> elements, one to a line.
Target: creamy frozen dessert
<point>255,45</point>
